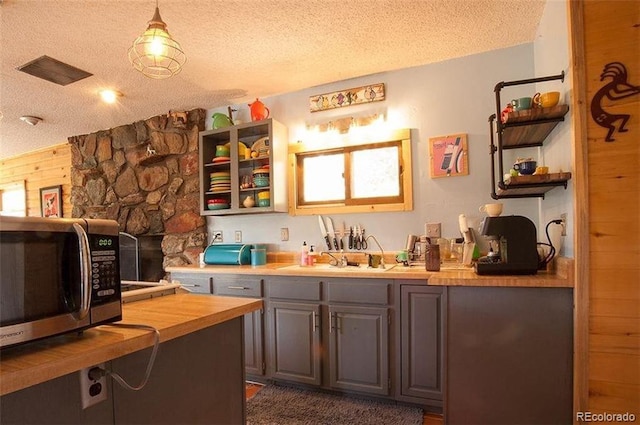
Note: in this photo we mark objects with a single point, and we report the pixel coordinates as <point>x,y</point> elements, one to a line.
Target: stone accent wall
<point>145,176</point>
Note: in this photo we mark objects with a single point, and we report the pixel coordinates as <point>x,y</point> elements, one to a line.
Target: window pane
<point>323,178</point>
<point>375,173</point>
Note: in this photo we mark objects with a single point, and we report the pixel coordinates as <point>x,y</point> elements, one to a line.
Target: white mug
<point>492,210</point>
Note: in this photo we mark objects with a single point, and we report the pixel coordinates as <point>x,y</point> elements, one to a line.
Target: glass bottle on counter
<point>311,259</point>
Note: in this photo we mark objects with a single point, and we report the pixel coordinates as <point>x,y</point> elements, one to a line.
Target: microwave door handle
<point>85,275</point>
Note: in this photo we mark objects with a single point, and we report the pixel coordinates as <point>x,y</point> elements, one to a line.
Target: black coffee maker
<point>514,247</point>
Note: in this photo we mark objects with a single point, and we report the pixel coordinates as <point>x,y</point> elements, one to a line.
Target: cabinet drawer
<point>237,286</point>
<point>359,292</point>
<point>193,282</point>
<point>294,289</point>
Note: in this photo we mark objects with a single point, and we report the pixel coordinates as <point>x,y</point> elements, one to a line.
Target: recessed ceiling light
<point>31,120</point>
<point>109,96</point>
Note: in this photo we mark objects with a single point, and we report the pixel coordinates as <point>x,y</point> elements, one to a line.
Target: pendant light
<point>155,53</point>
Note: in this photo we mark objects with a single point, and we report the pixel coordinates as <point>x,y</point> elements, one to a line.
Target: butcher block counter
<point>561,276</point>
<point>173,315</point>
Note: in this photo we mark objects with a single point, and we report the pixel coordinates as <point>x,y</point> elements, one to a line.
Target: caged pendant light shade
<point>155,53</point>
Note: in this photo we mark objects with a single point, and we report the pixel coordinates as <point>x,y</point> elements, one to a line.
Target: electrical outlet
<point>433,230</point>
<point>93,385</point>
<point>284,233</point>
<point>563,217</point>
<point>238,236</point>
<point>216,236</point>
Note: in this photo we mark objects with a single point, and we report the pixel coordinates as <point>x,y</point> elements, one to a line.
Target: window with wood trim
<point>348,176</point>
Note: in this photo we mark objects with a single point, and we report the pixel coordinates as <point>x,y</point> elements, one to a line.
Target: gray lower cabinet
<point>193,381</point>
<point>237,286</point>
<point>295,342</point>
<point>359,348</point>
<point>294,329</point>
<point>422,330</point>
<point>509,356</point>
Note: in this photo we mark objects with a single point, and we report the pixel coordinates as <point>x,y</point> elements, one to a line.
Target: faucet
<point>342,262</point>
<point>381,250</point>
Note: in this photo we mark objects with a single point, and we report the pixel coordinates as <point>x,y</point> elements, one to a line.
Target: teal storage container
<point>235,254</point>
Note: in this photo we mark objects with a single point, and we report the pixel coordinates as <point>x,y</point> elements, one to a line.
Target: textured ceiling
<point>236,51</point>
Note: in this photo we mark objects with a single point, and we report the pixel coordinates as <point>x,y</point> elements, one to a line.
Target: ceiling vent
<point>53,70</point>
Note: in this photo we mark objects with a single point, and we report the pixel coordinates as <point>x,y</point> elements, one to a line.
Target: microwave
<point>57,275</point>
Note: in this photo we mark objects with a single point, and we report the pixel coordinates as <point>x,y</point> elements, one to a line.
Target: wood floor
<point>428,418</point>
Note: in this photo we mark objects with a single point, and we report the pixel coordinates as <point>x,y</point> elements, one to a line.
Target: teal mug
<point>521,104</point>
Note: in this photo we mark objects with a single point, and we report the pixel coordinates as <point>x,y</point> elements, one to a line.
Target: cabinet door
<point>359,348</point>
<point>421,324</point>
<point>253,347</point>
<point>246,286</point>
<point>295,342</point>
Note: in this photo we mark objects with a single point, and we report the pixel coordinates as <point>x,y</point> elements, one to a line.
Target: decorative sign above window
<point>448,156</point>
<point>339,99</point>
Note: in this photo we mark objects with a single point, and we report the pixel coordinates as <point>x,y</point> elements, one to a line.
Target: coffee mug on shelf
<point>546,100</point>
<point>492,210</point>
<point>525,167</point>
<point>521,104</point>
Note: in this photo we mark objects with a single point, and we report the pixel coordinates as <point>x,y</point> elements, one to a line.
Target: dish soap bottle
<point>304,254</point>
<point>311,261</point>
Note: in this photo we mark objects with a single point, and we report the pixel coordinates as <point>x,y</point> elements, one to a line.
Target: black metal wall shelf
<point>522,129</point>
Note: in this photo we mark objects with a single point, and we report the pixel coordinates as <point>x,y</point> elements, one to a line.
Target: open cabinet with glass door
<point>243,169</point>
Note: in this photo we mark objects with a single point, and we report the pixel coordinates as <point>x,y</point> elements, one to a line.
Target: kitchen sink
<point>362,268</point>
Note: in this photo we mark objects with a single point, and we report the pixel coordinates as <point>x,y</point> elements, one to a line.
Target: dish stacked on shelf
<point>220,181</point>
<point>264,199</point>
<point>217,204</point>
<point>261,146</point>
<point>261,177</point>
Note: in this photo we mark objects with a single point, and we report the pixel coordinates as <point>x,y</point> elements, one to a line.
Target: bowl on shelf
<point>218,206</point>
<point>261,181</point>
<point>525,167</point>
<point>222,150</point>
<point>264,202</point>
<point>264,195</point>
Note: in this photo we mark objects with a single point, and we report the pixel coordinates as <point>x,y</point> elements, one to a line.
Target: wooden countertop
<point>561,277</point>
<point>173,315</point>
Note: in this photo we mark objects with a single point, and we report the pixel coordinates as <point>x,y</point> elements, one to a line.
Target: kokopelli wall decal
<point>617,88</point>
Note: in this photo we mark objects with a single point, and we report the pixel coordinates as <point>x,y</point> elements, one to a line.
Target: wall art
<point>342,98</point>
<point>51,201</point>
<point>616,89</point>
<point>448,156</point>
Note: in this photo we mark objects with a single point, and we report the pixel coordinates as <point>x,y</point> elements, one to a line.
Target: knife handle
<point>326,239</point>
<point>335,243</point>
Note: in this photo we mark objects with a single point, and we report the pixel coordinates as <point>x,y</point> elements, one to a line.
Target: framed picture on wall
<point>51,201</point>
<point>448,156</point>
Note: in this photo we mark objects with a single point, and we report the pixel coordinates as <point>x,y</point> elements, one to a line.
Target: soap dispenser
<point>304,254</point>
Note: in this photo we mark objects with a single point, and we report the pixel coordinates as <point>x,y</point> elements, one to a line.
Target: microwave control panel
<point>105,268</point>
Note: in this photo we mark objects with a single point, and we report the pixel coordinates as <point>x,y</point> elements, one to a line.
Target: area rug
<point>280,405</point>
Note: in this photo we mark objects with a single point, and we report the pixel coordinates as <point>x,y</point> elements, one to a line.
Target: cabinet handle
<point>330,322</point>
<point>189,285</point>
<point>314,321</point>
<point>242,288</point>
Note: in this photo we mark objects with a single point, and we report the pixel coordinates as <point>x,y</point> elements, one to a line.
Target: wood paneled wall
<point>42,168</point>
<point>608,250</point>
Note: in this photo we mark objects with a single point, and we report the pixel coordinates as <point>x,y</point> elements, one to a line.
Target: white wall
<point>551,56</point>
<point>450,97</point>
